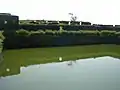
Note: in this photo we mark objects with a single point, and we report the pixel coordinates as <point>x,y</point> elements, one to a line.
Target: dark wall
<point>15,41</point>
<point>79,27</point>
<point>117,27</point>
<point>8,22</point>
<point>57,27</point>
<point>85,23</point>
<point>37,27</point>
<point>64,22</point>
<point>106,27</point>
<point>70,27</point>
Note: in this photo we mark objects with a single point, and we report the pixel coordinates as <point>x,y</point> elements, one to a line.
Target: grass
<point>44,55</point>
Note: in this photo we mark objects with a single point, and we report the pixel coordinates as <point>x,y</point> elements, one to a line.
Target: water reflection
<point>71,63</point>
<point>16,68</point>
<point>102,73</point>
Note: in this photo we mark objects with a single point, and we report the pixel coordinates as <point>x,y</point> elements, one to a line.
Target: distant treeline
<point>48,22</point>
<point>69,27</point>
<point>54,25</point>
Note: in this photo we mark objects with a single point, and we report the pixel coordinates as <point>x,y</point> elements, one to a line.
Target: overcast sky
<point>95,11</point>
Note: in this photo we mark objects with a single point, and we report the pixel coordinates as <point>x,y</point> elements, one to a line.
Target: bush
<point>39,32</point>
<point>107,33</point>
<point>117,34</point>
<point>1,35</point>
<point>49,32</point>
<point>23,32</point>
<point>103,33</point>
<point>89,33</point>
<point>23,38</point>
<point>2,38</point>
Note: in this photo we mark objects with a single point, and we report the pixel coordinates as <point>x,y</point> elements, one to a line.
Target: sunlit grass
<point>44,55</point>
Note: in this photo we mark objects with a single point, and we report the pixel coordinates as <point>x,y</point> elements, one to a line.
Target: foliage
<point>90,33</point>
<point>42,38</point>
<point>39,32</point>
<point>118,34</point>
<point>73,18</point>
<point>2,37</point>
<point>23,32</point>
<point>107,33</point>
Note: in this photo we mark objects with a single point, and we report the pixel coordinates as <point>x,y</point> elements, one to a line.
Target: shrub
<point>49,32</point>
<point>23,32</point>
<point>89,33</point>
<point>1,35</point>
<point>1,40</point>
<point>107,33</point>
<point>117,34</point>
<point>102,33</point>
<point>61,28</point>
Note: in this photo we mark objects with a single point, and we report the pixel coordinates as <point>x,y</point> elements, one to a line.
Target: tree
<point>73,18</point>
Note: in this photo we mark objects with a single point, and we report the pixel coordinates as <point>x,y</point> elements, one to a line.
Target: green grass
<point>44,55</point>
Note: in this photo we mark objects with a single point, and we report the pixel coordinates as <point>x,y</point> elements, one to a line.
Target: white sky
<point>95,11</point>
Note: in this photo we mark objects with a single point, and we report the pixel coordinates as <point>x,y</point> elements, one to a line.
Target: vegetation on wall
<point>1,40</point>
<point>45,38</point>
<point>102,33</point>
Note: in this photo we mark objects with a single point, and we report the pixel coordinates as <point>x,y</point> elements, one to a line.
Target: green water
<point>40,69</point>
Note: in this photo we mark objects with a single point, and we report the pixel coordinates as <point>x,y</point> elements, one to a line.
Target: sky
<point>94,11</point>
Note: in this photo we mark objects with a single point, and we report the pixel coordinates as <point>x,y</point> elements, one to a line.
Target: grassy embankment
<point>46,55</point>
